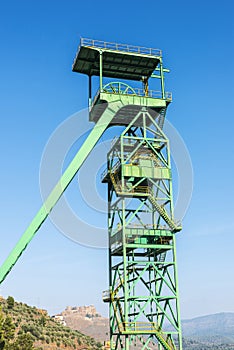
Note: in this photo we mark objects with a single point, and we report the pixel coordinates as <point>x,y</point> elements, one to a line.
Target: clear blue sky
<point>38,91</point>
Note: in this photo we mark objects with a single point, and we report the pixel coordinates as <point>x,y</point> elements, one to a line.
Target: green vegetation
<point>27,328</point>
<point>189,344</point>
<point>10,302</point>
<point>210,332</point>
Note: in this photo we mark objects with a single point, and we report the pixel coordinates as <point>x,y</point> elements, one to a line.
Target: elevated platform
<point>122,62</point>
<point>132,102</point>
<point>140,237</point>
<point>119,60</point>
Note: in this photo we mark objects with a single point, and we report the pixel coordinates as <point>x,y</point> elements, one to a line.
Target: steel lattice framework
<point>143,285</point>
<point>143,293</point>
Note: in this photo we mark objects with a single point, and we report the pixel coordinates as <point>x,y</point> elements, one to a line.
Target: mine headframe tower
<point>143,284</point>
<point>143,292</point>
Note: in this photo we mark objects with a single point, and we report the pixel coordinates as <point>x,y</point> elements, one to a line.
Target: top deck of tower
<point>120,61</point>
<point>123,63</point>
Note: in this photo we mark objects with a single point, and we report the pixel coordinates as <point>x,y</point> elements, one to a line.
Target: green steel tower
<point>143,284</point>
<point>143,291</point>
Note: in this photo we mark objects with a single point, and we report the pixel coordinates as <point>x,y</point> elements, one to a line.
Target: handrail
<point>141,326</point>
<point>137,92</point>
<point>153,226</point>
<point>113,170</point>
<point>106,294</point>
<point>121,47</point>
<point>149,327</point>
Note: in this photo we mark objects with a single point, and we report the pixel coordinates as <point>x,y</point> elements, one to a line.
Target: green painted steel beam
<point>144,254</point>
<point>59,189</point>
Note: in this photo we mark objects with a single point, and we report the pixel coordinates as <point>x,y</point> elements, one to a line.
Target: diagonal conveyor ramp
<point>60,187</point>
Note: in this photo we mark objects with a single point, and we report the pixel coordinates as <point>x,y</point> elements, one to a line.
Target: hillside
<point>217,328</point>
<point>24,328</point>
<point>212,332</point>
<point>189,344</point>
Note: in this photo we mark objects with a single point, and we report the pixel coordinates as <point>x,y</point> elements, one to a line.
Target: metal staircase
<point>164,215</point>
<point>119,190</point>
<point>148,328</point>
<point>166,343</point>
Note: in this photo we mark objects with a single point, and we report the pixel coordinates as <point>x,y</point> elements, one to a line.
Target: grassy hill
<point>24,327</point>
<point>216,329</point>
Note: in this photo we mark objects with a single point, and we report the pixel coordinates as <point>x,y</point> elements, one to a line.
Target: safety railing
<point>114,140</point>
<point>148,327</point>
<point>147,226</point>
<point>130,92</point>
<point>106,295</point>
<point>113,170</point>
<point>160,240</point>
<point>116,245</point>
<point>118,88</point>
<point>137,92</point>
<point>120,47</point>
<point>140,326</point>
<point>141,189</point>
<point>137,231</point>
<point>104,174</point>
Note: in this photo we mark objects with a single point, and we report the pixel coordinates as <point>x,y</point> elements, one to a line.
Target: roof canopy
<point>118,61</point>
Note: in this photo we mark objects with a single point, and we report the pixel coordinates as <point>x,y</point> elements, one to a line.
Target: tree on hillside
<point>10,302</point>
<point>23,342</point>
<point>42,321</point>
<point>7,334</point>
<point>8,328</point>
<point>2,340</point>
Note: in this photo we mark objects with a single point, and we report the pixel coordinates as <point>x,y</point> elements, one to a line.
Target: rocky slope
<point>87,320</point>
<point>206,332</point>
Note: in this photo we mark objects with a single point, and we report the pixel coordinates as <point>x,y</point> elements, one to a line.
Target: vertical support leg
<point>100,62</point>
<point>90,90</point>
<point>162,79</point>
<point>177,299</point>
